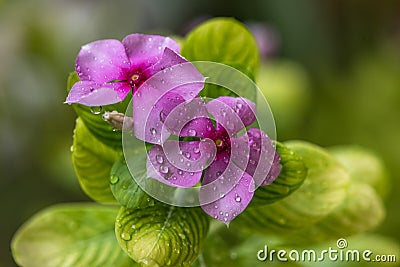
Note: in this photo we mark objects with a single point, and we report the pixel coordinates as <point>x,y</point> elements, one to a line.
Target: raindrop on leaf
<point>96,110</point>
<point>126,236</point>
<point>114,179</point>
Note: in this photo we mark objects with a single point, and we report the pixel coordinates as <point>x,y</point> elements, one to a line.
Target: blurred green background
<point>333,66</point>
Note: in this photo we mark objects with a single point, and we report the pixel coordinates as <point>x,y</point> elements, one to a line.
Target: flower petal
<point>274,171</point>
<point>92,94</point>
<point>227,196</point>
<point>257,156</point>
<point>144,50</point>
<point>234,114</point>
<point>174,73</point>
<point>154,89</point>
<point>102,61</point>
<point>190,156</point>
<point>159,168</point>
<point>190,119</point>
<point>150,113</point>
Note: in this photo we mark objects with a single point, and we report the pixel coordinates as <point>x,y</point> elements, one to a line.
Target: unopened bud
<point>118,120</point>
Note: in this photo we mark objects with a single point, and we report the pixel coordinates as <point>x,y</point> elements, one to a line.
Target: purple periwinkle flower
<point>147,65</point>
<point>110,69</point>
<point>229,160</point>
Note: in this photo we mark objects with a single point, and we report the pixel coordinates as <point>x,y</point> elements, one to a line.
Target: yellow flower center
<point>218,142</point>
<point>135,77</point>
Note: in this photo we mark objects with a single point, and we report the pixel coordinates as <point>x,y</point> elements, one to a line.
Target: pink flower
<point>110,69</point>
<point>147,65</point>
<point>229,165</point>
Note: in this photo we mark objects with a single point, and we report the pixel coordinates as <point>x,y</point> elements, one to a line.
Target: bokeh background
<point>334,67</point>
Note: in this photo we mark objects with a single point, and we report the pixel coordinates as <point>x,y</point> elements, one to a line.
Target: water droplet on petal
<point>196,150</point>
<point>221,195</point>
<point>163,116</point>
<point>180,172</point>
<point>164,169</point>
<point>153,131</point>
<point>159,159</point>
<point>218,174</point>
<point>96,110</point>
<point>192,132</point>
<point>187,155</point>
<point>238,198</point>
<point>226,159</point>
<point>114,179</point>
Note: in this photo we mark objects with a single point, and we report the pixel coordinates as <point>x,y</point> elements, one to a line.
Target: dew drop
<point>187,155</point>
<point>252,161</point>
<point>221,195</point>
<point>192,132</point>
<point>159,159</point>
<point>96,110</point>
<point>164,169</point>
<point>153,131</point>
<point>126,236</point>
<point>218,174</point>
<point>196,150</point>
<point>180,172</point>
<point>226,159</point>
<point>114,179</point>
<point>238,198</point>
<point>163,116</point>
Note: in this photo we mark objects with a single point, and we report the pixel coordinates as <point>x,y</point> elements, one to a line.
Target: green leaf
<point>364,166</point>
<point>223,40</point>
<point>226,41</point>
<point>292,175</point>
<point>162,235</point>
<point>92,162</point>
<point>361,210</point>
<point>125,189</point>
<point>94,122</point>
<point>323,190</point>
<point>70,235</point>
